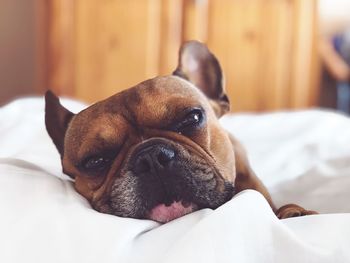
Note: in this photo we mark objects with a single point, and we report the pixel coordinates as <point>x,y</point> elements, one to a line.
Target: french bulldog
<point>157,150</point>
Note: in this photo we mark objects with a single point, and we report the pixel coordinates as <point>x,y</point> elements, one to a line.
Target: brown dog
<point>157,150</point>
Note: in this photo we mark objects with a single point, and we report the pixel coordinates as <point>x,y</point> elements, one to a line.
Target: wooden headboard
<point>267,48</point>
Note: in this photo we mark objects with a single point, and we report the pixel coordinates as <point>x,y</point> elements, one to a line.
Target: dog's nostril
<point>153,159</point>
<point>165,156</point>
<point>143,165</point>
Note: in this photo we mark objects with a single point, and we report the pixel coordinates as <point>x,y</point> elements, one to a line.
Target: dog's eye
<point>96,163</point>
<point>192,120</point>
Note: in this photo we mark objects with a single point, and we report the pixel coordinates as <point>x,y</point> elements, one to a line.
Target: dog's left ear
<point>199,66</point>
<point>57,119</point>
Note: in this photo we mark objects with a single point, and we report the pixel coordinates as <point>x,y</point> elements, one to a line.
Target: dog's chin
<point>164,213</point>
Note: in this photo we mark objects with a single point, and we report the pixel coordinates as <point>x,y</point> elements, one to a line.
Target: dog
<point>157,151</point>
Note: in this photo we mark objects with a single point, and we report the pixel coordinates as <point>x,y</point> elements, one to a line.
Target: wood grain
<point>267,48</point>
<point>304,60</point>
<point>170,34</point>
<point>61,50</point>
<point>117,45</point>
<point>195,20</point>
<point>235,35</point>
<point>41,47</point>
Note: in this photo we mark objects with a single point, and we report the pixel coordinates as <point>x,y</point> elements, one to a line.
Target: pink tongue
<point>163,214</point>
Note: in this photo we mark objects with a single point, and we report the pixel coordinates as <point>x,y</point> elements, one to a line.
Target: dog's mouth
<point>164,213</point>
<point>163,190</point>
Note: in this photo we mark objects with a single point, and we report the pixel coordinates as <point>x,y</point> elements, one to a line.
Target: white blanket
<point>302,157</point>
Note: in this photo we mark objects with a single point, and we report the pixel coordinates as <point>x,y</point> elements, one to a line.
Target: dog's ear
<point>56,120</point>
<point>199,66</point>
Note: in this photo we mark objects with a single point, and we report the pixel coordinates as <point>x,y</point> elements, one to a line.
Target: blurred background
<point>276,54</point>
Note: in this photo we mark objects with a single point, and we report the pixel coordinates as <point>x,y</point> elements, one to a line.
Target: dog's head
<point>153,151</point>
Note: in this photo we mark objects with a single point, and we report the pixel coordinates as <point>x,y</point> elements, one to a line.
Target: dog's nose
<point>154,158</point>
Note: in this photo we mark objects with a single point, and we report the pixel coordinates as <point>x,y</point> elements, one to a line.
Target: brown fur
<point>211,165</point>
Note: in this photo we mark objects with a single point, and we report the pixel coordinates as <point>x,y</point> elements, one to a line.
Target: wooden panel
<point>195,20</point>
<point>276,48</point>
<point>117,45</point>
<point>61,52</point>
<point>97,48</point>
<point>170,35</point>
<point>266,47</point>
<point>304,59</point>
<point>235,37</point>
<point>41,52</point>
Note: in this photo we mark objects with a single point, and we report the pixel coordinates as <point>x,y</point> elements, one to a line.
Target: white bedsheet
<point>301,156</point>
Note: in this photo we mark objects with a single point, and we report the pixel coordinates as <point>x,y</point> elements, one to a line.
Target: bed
<point>301,156</point>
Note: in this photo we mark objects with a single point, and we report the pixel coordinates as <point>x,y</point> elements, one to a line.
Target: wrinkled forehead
<point>159,95</point>
<point>151,104</point>
<point>149,100</point>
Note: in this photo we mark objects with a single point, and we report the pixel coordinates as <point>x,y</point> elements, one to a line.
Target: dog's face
<point>154,151</point>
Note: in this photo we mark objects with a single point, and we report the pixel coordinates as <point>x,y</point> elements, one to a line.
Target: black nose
<point>154,159</point>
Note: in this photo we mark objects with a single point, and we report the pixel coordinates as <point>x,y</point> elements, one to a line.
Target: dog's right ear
<point>200,67</point>
<point>57,119</point>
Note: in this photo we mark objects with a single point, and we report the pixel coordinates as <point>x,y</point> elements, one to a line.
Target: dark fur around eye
<point>192,120</point>
<point>97,164</point>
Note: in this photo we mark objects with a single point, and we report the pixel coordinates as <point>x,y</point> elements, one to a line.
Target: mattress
<point>302,157</point>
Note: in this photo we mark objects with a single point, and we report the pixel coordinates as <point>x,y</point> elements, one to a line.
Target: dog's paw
<point>292,210</point>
